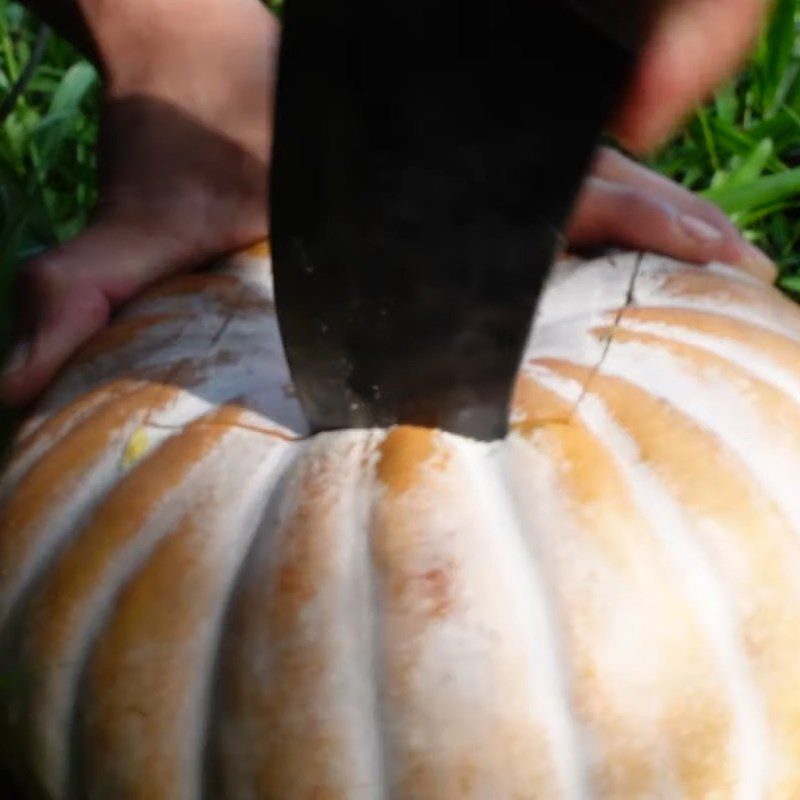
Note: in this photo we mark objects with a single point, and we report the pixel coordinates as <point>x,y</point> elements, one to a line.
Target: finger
<point>608,214</point>
<point>64,316</point>
<point>67,295</point>
<point>616,168</point>
<point>696,45</point>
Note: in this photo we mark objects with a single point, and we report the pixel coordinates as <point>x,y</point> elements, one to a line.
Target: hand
<point>697,43</point>
<point>183,172</point>
<point>623,204</point>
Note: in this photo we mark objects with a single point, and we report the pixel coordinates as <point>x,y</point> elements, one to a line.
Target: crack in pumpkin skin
<point>608,334</point>
<point>224,294</point>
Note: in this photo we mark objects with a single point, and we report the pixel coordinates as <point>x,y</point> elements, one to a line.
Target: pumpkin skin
<point>199,600</point>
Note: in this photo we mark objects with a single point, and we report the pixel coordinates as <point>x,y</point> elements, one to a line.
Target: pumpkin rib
<point>173,604</point>
<point>75,591</point>
<point>447,588</point>
<point>607,575</point>
<point>294,714</point>
<point>212,781</point>
<point>754,349</point>
<point>54,498</point>
<point>767,597</point>
<point>381,723</point>
<point>762,577</point>
<point>37,442</point>
<point>665,283</point>
<point>706,593</point>
<point>772,629</point>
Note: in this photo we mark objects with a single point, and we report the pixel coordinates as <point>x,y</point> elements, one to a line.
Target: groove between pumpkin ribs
<point>705,591</point>
<point>492,474</point>
<point>213,778</point>
<point>381,723</point>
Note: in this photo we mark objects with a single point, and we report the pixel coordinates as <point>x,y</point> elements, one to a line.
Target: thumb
<point>66,295</point>
<point>697,44</point>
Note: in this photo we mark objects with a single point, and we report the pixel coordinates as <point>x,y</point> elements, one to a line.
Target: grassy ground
<point>742,150</point>
<point>46,143</point>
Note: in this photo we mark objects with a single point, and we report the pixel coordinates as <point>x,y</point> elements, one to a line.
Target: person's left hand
<point>626,205</point>
<point>183,161</point>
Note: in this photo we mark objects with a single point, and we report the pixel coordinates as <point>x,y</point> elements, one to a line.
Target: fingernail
<point>759,264</point>
<point>700,230</point>
<point>16,359</point>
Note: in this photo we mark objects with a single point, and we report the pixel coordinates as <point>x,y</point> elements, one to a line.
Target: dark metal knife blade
<point>426,157</point>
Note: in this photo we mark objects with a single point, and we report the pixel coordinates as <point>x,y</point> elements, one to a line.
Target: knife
<point>425,158</point>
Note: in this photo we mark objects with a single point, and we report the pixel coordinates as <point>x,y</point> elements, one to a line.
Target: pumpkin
<point>197,599</point>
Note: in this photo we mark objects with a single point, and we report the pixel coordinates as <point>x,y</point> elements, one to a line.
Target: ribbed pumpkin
<point>199,601</point>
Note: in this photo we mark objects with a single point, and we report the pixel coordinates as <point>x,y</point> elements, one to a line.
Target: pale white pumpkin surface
<point>199,601</point>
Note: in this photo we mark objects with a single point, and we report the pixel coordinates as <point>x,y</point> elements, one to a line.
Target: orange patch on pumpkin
<point>261,249</point>
<point>404,455</point>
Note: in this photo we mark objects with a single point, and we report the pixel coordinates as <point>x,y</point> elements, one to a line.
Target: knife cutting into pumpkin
<point>425,159</point>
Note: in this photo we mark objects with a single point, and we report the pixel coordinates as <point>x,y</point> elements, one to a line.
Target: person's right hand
<point>697,43</point>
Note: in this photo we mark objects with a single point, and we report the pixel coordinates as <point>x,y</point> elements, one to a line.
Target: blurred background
<point>742,150</point>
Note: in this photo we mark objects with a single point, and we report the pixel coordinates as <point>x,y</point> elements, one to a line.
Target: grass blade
<point>767,190</point>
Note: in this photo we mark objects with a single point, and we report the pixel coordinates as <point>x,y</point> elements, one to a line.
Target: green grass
<point>742,150</point>
<point>47,182</point>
